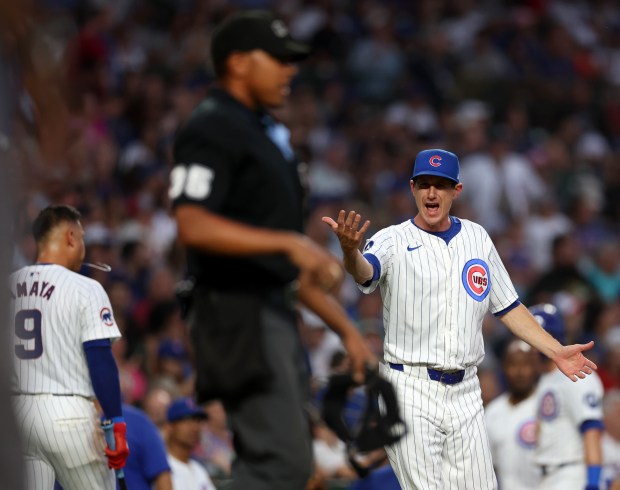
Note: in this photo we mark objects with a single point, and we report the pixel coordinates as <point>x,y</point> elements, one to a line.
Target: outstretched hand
<point>348,230</point>
<point>571,361</point>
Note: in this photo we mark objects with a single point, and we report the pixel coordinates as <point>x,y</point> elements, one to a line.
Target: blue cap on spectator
<point>171,349</point>
<point>185,408</point>
<point>437,162</point>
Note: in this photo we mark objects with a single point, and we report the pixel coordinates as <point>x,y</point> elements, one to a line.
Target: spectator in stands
<point>182,436</point>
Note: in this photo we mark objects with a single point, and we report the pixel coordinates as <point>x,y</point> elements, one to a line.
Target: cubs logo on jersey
<point>526,435</point>
<point>476,279</point>
<point>106,317</point>
<point>548,409</point>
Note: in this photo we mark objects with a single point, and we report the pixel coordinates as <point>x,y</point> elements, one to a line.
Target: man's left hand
<point>573,363</point>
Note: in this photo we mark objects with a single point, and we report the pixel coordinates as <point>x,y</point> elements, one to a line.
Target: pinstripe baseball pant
<point>62,440</point>
<point>446,446</point>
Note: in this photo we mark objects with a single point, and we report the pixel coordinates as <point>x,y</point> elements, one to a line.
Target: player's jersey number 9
<point>28,327</point>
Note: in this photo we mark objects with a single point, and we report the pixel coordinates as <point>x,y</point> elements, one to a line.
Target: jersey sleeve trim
<point>506,310</point>
<point>591,424</point>
<point>376,268</point>
<point>89,344</point>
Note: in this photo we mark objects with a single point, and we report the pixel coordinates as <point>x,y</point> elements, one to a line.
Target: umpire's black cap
<point>255,29</point>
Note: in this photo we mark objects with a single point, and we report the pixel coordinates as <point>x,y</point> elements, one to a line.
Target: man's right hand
<point>350,236</point>
<point>117,450</point>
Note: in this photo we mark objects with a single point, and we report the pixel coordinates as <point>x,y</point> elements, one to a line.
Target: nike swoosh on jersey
<point>411,249</point>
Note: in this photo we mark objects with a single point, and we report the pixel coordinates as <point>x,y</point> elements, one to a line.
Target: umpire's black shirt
<point>227,162</point>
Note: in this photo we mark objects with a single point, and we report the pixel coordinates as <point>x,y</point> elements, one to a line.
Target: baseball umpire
<point>439,276</point>
<point>238,201</point>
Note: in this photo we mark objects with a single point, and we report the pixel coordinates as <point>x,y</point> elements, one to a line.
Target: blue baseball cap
<point>171,349</point>
<point>551,320</point>
<point>437,162</point>
<point>185,408</point>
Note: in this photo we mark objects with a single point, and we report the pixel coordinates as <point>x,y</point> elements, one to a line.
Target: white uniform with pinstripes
<point>55,310</point>
<point>435,296</point>
<point>512,434</point>
<point>562,406</point>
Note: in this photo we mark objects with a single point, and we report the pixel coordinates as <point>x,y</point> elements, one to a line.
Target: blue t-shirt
<point>147,453</point>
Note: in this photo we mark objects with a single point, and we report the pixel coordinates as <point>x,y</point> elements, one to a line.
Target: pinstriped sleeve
<point>503,293</point>
<point>379,251</point>
<point>97,318</point>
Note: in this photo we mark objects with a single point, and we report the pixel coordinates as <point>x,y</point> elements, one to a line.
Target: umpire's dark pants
<point>271,430</point>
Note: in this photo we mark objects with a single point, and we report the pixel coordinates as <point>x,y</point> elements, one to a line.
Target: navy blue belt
<point>446,377</point>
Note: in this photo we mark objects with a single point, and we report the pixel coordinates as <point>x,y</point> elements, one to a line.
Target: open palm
<point>571,361</point>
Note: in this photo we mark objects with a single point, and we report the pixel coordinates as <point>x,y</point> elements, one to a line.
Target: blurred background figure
<point>511,419</point>
<point>330,454</point>
<point>184,420</point>
<point>610,364</point>
<point>570,419</point>
<point>147,466</point>
<point>611,439</point>
<point>216,451</point>
<point>157,400</point>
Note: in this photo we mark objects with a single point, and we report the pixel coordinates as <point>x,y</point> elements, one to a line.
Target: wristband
<point>594,475</point>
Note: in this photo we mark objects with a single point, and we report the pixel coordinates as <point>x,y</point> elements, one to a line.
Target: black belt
<point>285,297</point>
<point>446,377</point>
<point>281,297</point>
<point>547,469</point>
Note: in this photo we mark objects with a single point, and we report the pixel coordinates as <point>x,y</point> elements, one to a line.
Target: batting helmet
<point>551,320</point>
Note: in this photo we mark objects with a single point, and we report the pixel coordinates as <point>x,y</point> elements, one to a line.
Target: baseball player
<point>439,276</point>
<point>62,332</point>
<point>611,439</point>
<point>569,420</point>
<point>511,420</point>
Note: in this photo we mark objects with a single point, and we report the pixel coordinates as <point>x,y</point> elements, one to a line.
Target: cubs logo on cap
<point>476,279</point>
<point>437,162</point>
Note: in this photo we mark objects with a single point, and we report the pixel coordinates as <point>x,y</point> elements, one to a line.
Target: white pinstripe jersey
<point>562,406</point>
<point>512,436</point>
<point>435,295</point>
<point>55,310</point>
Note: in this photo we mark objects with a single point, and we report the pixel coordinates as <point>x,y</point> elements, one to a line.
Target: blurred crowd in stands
<point>527,93</point>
